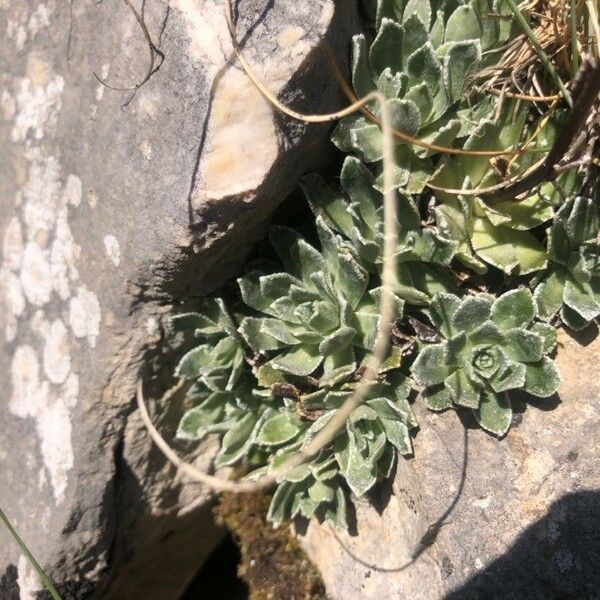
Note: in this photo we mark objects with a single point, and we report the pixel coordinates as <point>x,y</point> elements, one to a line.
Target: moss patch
<point>273,564</point>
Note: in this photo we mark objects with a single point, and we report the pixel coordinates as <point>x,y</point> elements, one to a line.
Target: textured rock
<point>516,518</point>
<point>113,206</point>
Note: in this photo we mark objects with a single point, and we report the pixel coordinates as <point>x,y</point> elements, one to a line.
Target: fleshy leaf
<point>494,413</point>
<point>514,308</point>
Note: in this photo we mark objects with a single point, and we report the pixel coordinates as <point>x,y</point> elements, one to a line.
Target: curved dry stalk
<point>151,48</point>
<point>386,311</point>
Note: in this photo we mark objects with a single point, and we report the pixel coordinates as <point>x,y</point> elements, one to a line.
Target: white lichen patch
<point>40,18</point>
<point>84,315</point>
<point>28,581</point>
<point>72,193</point>
<point>112,249</point>
<point>57,356</point>
<point>36,276</point>
<point>12,248</point>
<point>37,108</point>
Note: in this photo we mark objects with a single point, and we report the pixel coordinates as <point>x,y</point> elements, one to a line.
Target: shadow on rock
<point>555,558</point>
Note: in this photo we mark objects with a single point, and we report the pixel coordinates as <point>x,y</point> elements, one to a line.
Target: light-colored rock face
<point>112,206</point>
<point>525,522</point>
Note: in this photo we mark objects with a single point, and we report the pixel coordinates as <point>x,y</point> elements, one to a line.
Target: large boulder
<point>474,517</point>
<point>115,205</point>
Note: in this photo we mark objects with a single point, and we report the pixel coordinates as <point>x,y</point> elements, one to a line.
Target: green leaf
<point>386,49</point>
<point>438,398</point>
<point>237,440</point>
<point>459,63</point>
<point>548,295</point>
<point>514,308</point>
<point>523,345</point>
<point>423,66</point>
<point>405,116</point>
<point>472,312</point>
<point>281,504</point>
<point>542,379</point>
<point>336,341</point>
<point>443,307</point>
<point>547,333</point>
<point>279,429</point>
<point>462,389</point>
<point>463,25</point>
<point>420,9</point>
<point>300,360</point>
<point>431,365</point>
<point>323,200</point>
<point>581,298</point>
<point>368,142</point>
<point>494,413</point>
<point>415,35</point>
<point>507,249</point>
<point>398,435</point>
<point>362,76</point>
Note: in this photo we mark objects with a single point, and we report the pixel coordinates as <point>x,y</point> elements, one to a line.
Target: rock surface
<point>510,519</point>
<point>113,206</point>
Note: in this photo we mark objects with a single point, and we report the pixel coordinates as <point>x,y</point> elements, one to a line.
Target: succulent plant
<point>490,347</point>
<point>357,213</point>
<point>420,60</point>
<point>572,283</point>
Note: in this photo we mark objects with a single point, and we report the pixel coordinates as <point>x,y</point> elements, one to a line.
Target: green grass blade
<point>540,51</point>
<point>34,563</point>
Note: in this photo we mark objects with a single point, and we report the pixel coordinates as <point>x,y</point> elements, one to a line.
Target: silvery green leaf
<point>281,503</point>
<point>494,413</point>
<point>237,440</point>
<point>337,514</point>
<point>525,214</point>
<point>443,307</point>
<point>437,397</point>
<point>419,8</point>
<point>572,319</point>
<point>463,25</point>
<point>579,268</point>
<point>548,295</point>
<point>421,96</point>
<point>415,36</point>
<point>386,462</point>
<point>279,429</point>
<point>487,333</point>
<point>582,223</point>
<point>251,329</point>
<point>367,141</point>
<point>460,61</point>
<point>358,181</point>
<point>523,345</point>
<point>405,116</point>
<point>424,66</point>
<point>392,85</point>
<point>433,248</point>
<point>547,333</point>
<point>580,297</point>
<point>321,492</point>
<point>440,136</point>
<point>436,35</point>
<point>392,9</point>
<point>462,389</point>
<point>300,360</point>
<point>362,76</point>
<point>341,135</point>
<point>431,365</point>
<point>386,49</point>
<point>514,308</point>
<point>507,249</point>
<point>512,378</point>
<point>542,379</point>
<point>324,201</point>
<point>212,320</point>
<point>298,257</point>
<point>472,312</point>
<point>397,434</point>
<point>267,376</point>
<point>361,473</point>
<point>336,341</point>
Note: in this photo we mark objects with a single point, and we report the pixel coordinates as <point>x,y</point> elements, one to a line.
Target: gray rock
<point>496,519</point>
<point>115,205</point>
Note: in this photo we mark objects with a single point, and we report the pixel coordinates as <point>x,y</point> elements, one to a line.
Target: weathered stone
<point>113,206</point>
<point>507,519</point>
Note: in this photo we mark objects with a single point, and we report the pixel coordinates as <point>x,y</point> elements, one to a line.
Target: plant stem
<point>574,49</point>
<point>540,51</point>
<point>45,579</point>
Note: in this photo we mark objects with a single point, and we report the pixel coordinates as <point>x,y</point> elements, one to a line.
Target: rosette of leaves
<point>572,284</point>
<point>363,452</point>
<point>317,315</point>
<point>422,255</point>
<point>420,59</point>
<point>490,347</point>
<point>498,233</point>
